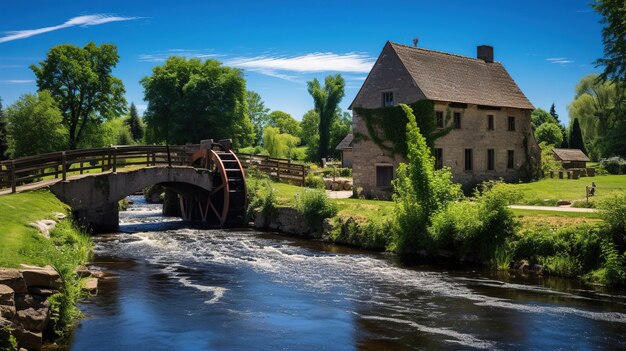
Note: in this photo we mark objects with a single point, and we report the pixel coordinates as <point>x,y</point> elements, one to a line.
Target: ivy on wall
<point>386,126</point>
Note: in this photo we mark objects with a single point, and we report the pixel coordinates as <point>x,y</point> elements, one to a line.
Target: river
<point>178,288</point>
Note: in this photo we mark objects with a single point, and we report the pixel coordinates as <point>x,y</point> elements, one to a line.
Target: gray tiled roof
<point>452,78</point>
<point>571,155</point>
<point>346,143</point>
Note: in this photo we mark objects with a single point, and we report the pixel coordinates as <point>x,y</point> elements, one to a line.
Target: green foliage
<point>314,181</point>
<point>7,340</point>
<point>112,132</point>
<point>35,125</point>
<point>419,191</point>
<point>134,123</point>
<point>540,116</point>
<point>261,194</point>
<point>613,13</point>
<point>190,100</point>
<point>548,162</point>
<point>341,127</point>
<point>576,137</point>
<point>259,115</point>
<point>4,147</point>
<point>561,264</point>
<point>80,81</point>
<point>315,206</point>
<point>310,124</point>
<point>326,99</point>
<point>613,212</point>
<point>374,234</point>
<point>613,165</point>
<point>386,126</point>
<point>549,133</point>
<point>613,271</point>
<point>278,144</point>
<point>554,114</point>
<point>285,123</point>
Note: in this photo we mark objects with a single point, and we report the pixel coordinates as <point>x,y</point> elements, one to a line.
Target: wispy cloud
<point>164,55</point>
<point>559,60</point>
<point>83,21</point>
<point>18,81</point>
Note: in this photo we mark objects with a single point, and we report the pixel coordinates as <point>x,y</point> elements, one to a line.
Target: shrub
<point>613,212</point>
<point>315,206</point>
<point>345,172</point>
<point>614,165</point>
<point>561,265</point>
<point>261,195</point>
<point>372,235</point>
<point>314,181</point>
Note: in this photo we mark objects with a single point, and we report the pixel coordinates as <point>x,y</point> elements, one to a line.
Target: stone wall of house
<point>346,158</point>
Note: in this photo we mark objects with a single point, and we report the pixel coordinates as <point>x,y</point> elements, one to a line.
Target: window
<point>439,116</point>
<point>490,124</point>
<point>457,120</point>
<point>384,175</point>
<point>438,158</point>
<point>510,159</point>
<point>388,98</point>
<point>468,159</point>
<point>511,124</point>
<point>491,159</point>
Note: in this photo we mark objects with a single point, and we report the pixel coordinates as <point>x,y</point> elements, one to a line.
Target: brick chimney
<point>485,52</point>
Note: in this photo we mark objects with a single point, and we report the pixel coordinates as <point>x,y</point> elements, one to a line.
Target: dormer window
<point>388,99</point>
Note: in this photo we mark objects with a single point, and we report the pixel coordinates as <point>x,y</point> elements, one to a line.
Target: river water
<point>177,288</point>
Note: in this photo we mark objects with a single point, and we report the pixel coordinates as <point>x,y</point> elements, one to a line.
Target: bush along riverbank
<point>430,220</point>
<point>42,278</point>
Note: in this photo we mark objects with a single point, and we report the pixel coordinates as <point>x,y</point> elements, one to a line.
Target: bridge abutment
<point>103,219</point>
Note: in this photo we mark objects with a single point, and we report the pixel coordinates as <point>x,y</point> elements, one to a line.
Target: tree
<point>259,114</point>
<point>576,137</point>
<point>326,100</point>
<point>190,100</point>
<point>81,82</point>
<point>554,114</point>
<point>285,123</point>
<point>35,125</point>
<point>134,123</point>
<point>549,133</point>
<point>341,127</point>
<point>540,116</point>
<point>279,144</point>
<point>613,14</point>
<point>3,134</point>
<point>310,128</point>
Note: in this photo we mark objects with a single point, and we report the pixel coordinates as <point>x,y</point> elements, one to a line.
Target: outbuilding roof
<point>570,155</point>
<point>346,143</point>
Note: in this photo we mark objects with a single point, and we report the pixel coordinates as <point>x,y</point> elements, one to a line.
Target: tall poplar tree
<point>326,99</point>
<point>576,137</point>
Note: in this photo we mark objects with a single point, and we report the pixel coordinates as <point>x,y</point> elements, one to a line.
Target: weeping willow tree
<point>326,99</point>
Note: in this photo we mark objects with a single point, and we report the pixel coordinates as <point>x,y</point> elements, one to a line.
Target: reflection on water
<point>176,288</point>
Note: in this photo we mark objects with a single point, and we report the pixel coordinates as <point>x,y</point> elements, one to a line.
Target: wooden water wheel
<point>227,202</point>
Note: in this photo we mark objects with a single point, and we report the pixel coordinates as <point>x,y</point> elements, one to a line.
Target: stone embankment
<point>25,309</point>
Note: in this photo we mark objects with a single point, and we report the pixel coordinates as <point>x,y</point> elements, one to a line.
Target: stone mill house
<point>489,116</point>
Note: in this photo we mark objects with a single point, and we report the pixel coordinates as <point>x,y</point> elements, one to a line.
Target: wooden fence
<point>33,169</point>
<point>280,169</point>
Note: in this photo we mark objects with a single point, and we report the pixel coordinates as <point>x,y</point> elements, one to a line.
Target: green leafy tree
<point>190,100</point>
<point>3,134</point>
<point>540,116</point>
<point>549,133</point>
<point>576,137</point>
<point>259,114</point>
<point>134,123</point>
<point>419,190</point>
<point>341,127</point>
<point>326,99</point>
<point>35,126</point>
<point>310,128</point>
<point>279,144</point>
<point>81,82</point>
<point>285,123</point>
<point>548,162</point>
<point>613,14</point>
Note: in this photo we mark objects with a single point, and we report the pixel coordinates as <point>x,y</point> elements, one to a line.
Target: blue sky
<point>546,46</point>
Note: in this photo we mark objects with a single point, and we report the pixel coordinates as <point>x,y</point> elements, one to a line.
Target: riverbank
<point>581,245</point>
<point>40,298</point>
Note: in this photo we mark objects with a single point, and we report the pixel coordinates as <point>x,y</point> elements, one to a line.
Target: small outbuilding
<point>345,146</point>
<point>571,158</point>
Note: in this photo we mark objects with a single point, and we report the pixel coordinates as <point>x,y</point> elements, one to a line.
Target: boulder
<point>328,184</point>
<point>91,285</point>
<point>59,216</point>
<point>5,326</point>
<point>522,265</point>
<point>44,226</point>
<point>83,271</point>
<point>28,339</point>
<point>45,277</point>
<point>36,290</point>
<point>13,279</point>
<point>259,218</point>
<point>563,203</point>
<point>34,320</point>
<point>327,226</point>
<point>26,301</point>
<point>7,302</point>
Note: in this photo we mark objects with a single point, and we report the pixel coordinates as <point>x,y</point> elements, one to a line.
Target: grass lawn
<point>553,219</point>
<point>18,240</point>
<point>548,191</point>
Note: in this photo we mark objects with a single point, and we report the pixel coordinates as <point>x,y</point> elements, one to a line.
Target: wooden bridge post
<point>64,165</point>
<point>114,159</point>
<point>13,183</point>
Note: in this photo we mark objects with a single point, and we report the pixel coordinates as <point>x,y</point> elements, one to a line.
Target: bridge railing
<point>60,164</point>
<point>281,169</point>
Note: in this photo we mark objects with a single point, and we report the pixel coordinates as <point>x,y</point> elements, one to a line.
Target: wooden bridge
<point>208,178</point>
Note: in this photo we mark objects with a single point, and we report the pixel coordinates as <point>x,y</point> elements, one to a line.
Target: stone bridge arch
<point>94,198</point>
